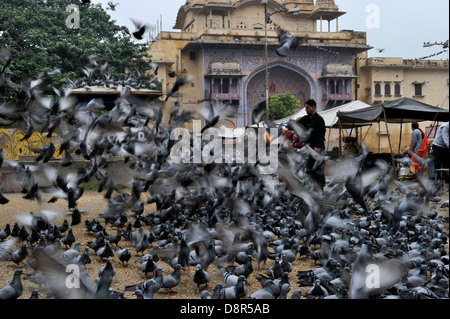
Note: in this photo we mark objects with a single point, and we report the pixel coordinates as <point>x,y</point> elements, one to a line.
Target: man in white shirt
<point>441,149</point>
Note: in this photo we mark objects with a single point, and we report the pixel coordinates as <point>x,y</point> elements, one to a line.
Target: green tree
<point>35,33</point>
<point>282,105</point>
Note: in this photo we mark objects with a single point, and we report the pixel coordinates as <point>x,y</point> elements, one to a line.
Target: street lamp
<point>264,2</point>
<point>267,20</point>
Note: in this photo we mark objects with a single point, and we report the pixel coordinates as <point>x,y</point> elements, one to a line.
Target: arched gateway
<point>283,77</point>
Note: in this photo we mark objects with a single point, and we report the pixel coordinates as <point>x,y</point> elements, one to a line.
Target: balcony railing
<point>226,96</point>
<point>338,97</point>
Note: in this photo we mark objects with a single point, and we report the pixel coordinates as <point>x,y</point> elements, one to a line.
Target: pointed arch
<point>290,76</point>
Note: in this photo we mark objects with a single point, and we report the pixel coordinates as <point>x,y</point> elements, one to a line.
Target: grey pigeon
<point>296,294</point>
<point>124,255</point>
<point>69,239</point>
<point>264,293</point>
<point>34,294</point>
<point>14,289</point>
<point>4,233</point>
<point>84,258</point>
<point>140,240</point>
<point>245,269</point>
<point>204,253</point>
<point>105,251</point>
<point>108,270</point>
<point>19,255</point>
<point>151,286</point>
<point>317,291</point>
<point>147,264</point>
<point>285,288</point>
<point>216,292</point>
<point>229,278</point>
<point>172,280</point>
<point>69,255</point>
<point>53,248</point>
<point>235,292</point>
<point>6,248</point>
<point>201,278</point>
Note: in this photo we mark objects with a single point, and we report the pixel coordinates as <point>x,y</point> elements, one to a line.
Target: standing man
<point>441,149</point>
<point>312,120</point>
<point>419,147</point>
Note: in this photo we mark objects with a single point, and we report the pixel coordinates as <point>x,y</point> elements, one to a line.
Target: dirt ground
<point>93,203</point>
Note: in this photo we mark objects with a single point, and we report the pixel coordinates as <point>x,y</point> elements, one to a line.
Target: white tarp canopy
<point>330,116</point>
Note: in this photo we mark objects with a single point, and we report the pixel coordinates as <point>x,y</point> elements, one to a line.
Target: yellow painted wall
<point>13,144</point>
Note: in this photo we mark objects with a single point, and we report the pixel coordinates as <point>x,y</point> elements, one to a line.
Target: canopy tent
<point>403,110</point>
<point>330,116</point>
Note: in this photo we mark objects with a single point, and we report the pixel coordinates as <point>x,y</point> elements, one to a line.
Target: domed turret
<point>326,5</point>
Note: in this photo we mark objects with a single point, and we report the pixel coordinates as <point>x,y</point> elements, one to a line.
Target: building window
<point>226,86</point>
<point>387,89</point>
<point>418,89</point>
<point>332,87</point>
<point>377,89</point>
<point>192,55</point>
<point>397,89</point>
<point>339,87</point>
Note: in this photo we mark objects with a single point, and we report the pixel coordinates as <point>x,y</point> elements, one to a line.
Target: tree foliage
<point>36,35</point>
<point>282,105</point>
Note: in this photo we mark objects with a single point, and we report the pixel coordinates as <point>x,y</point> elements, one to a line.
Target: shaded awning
<point>331,116</point>
<point>403,110</point>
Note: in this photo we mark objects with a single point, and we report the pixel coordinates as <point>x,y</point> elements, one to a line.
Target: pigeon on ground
<point>151,285</point>
<point>76,216</point>
<point>84,258</point>
<point>201,278</point>
<point>264,293</point>
<point>229,278</point>
<point>34,294</point>
<point>285,288</point>
<point>317,291</point>
<point>19,255</point>
<point>107,271</point>
<point>4,233</point>
<point>297,294</point>
<point>245,269</point>
<point>69,239</point>
<point>14,289</point>
<point>276,269</point>
<point>69,255</point>
<point>148,264</point>
<point>124,255</point>
<point>6,248</point>
<point>3,199</point>
<point>105,251</point>
<point>172,280</point>
<point>140,240</point>
<point>205,294</point>
<point>235,292</point>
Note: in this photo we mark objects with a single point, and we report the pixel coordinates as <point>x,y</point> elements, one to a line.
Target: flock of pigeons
<point>367,240</point>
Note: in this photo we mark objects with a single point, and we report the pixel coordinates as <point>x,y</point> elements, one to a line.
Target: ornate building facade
<point>222,48</point>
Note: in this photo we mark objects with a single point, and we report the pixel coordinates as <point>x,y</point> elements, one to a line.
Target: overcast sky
<point>400,27</point>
